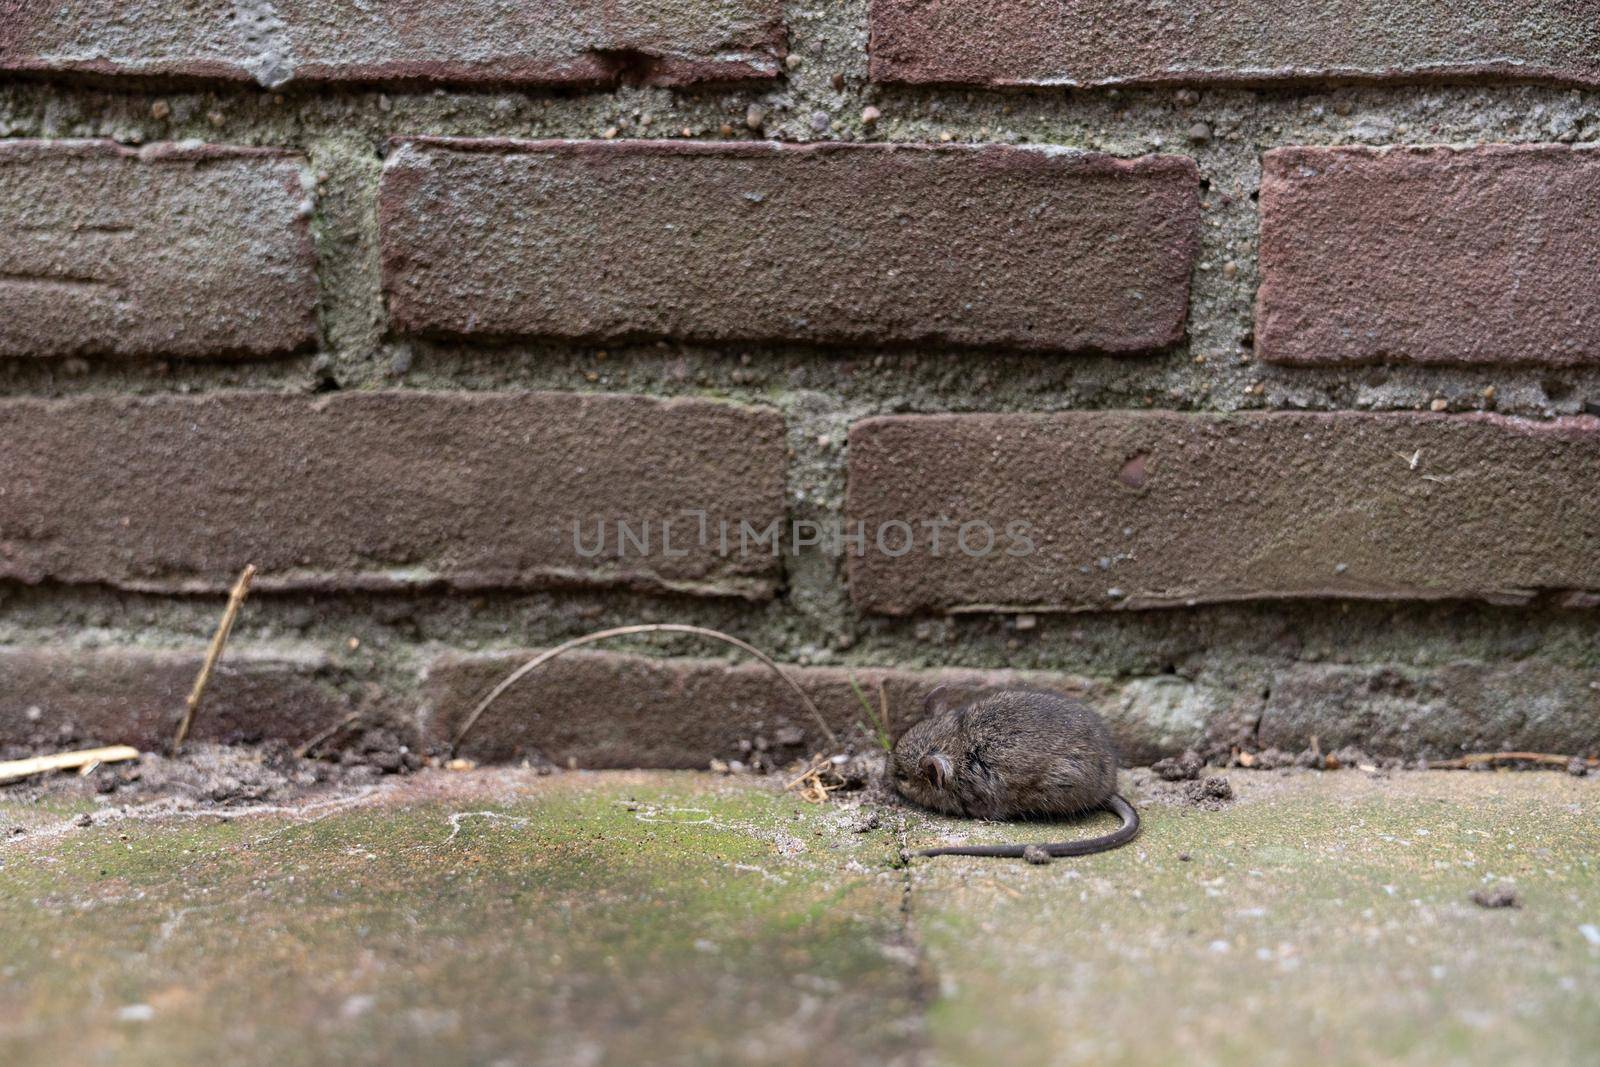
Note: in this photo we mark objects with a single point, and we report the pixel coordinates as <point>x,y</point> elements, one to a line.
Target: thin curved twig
<point>327,735</point>
<point>219,641</point>
<point>622,631</point>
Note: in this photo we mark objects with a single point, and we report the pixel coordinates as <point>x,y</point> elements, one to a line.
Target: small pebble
<point>83,819</point>
<point>820,121</point>
<point>1440,404</point>
<point>1037,855</point>
<point>1200,133</point>
<point>1184,768</point>
<point>1214,788</point>
<point>755,116</point>
<point>1578,767</point>
<point>1184,857</point>
<point>838,83</point>
<point>1500,895</point>
<point>792,61</point>
<point>870,115</point>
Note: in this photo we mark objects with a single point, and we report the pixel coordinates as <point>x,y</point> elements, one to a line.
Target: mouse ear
<point>936,769</point>
<point>935,698</point>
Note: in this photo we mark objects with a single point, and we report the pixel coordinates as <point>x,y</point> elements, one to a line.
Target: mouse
<point>1012,754</point>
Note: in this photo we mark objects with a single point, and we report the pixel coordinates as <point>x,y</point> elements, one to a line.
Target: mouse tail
<point>1106,842</point>
<point>1087,847</point>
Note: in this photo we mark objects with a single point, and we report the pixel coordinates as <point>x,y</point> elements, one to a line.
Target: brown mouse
<point>1012,754</point>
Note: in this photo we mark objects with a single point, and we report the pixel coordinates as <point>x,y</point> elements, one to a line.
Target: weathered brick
<point>604,709</point>
<point>1014,247</point>
<point>384,490</point>
<point>1146,509</point>
<point>1434,712</point>
<point>1430,255</point>
<point>277,43</point>
<point>51,697</point>
<point>169,250</point>
<point>1256,42</point>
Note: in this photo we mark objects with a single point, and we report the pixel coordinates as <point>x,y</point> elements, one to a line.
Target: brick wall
<point>1236,367</point>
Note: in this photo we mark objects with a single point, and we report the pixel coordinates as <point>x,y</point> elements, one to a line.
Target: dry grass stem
<point>219,640</point>
<point>17,769</point>
<point>646,628</point>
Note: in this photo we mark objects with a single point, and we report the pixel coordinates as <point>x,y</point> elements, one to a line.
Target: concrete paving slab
<point>1319,918</point>
<point>500,917</point>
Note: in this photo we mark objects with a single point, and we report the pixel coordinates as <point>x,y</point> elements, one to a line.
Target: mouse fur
<point>1012,754</point>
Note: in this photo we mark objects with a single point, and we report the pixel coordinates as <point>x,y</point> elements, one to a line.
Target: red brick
<point>169,250</point>
<point>51,697</point>
<point>382,490</point>
<point>1147,509</point>
<point>604,709</point>
<point>1013,247</point>
<point>1255,42</point>
<point>275,43</point>
<point>1430,255</point>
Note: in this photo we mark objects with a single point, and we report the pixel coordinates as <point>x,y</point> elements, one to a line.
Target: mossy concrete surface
<point>507,918</point>
<point>1320,918</point>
